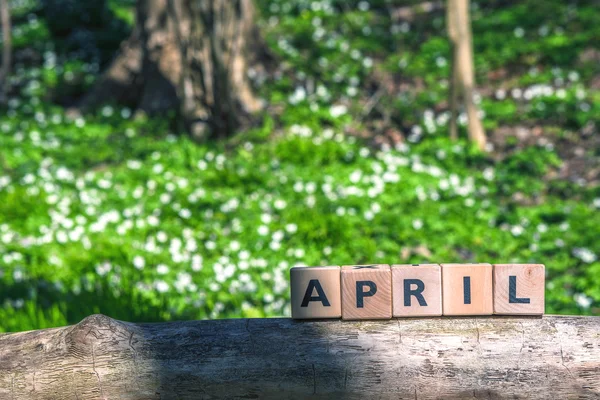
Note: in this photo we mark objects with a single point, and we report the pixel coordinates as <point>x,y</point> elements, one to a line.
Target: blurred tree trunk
<point>462,75</point>
<point>6,49</point>
<point>188,55</point>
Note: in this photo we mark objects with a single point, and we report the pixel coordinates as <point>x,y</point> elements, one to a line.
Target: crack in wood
<point>96,372</point>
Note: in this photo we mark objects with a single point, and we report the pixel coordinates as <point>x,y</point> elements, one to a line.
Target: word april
<point>357,292</point>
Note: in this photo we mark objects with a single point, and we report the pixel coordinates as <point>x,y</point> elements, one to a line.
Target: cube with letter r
<point>366,292</point>
<point>417,290</point>
<point>315,292</point>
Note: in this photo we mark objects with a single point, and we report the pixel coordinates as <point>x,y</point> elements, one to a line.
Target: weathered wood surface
<point>487,357</point>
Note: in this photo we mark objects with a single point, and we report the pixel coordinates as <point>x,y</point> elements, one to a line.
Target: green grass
<point>115,214</point>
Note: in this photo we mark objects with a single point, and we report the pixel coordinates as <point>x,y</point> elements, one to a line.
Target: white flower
<point>185,213</point>
<point>162,269</point>
<point>516,230</point>
<point>184,280</point>
<point>291,228</point>
<point>162,237</point>
<point>243,265</point>
<point>165,198</point>
<point>152,220</point>
<point>582,300</point>
<point>61,237</point>
<point>298,95</point>
<point>542,228</point>
<point>196,262</point>
<point>355,176</point>
<point>139,262</point>
<point>234,245</point>
<point>337,110</point>
<point>488,174</point>
<point>280,204</point>
<point>417,224</point>
<point>278,236</point>
<point>376,208</point>
<point>299,253</point>
<point>161,286</point>
<point>263,230</point>
<point>103,269</point>
<point>18,275</point>
<point>585,255</point>
<point>519,32</point>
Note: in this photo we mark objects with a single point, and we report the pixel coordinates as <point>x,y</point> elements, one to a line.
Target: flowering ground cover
<point>117,213</point>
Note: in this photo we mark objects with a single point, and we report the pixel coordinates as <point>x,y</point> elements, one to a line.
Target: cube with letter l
<point>519,289</point>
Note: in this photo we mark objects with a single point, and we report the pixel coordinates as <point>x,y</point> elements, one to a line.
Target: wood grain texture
<point>472,297</point>
<point>527,289</point>
<point>431,295</point>
<point>366,292</point>
<point>324,297</point>
<point>426,358</point>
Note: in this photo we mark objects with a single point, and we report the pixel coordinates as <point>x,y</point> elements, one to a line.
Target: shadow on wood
<point>487,357</point>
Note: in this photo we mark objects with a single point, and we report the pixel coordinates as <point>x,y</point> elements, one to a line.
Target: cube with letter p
<point>315,292</point>
<point>366,292</point>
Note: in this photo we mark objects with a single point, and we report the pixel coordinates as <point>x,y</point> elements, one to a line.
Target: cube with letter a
<point>366,292</point>
<point>519,289</point>
<point>315,292</point>
<point>467,289</point>
<point>417,290</point>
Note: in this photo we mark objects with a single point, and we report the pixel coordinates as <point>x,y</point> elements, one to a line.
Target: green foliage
<point>114,213</point>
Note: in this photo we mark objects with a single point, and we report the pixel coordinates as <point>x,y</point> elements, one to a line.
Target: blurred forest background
<point>331,146</point>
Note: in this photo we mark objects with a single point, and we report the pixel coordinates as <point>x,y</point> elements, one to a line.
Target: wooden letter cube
<point>315,292</point>
<point>519,289</point>
<point>467,289</point>
<point>366,292</point>
<point>417,290</point>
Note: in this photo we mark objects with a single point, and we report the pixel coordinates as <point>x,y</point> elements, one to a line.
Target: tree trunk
<point>430,358</point>
<point>462,70</point>
<point>191,56</point>
<point>6,49</point>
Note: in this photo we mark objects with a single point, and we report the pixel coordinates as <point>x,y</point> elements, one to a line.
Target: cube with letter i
<point>467,289</point>
<point>366,292</point>
<point>417,290</point>
<point>519,289</point>
<point>315,292</point>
